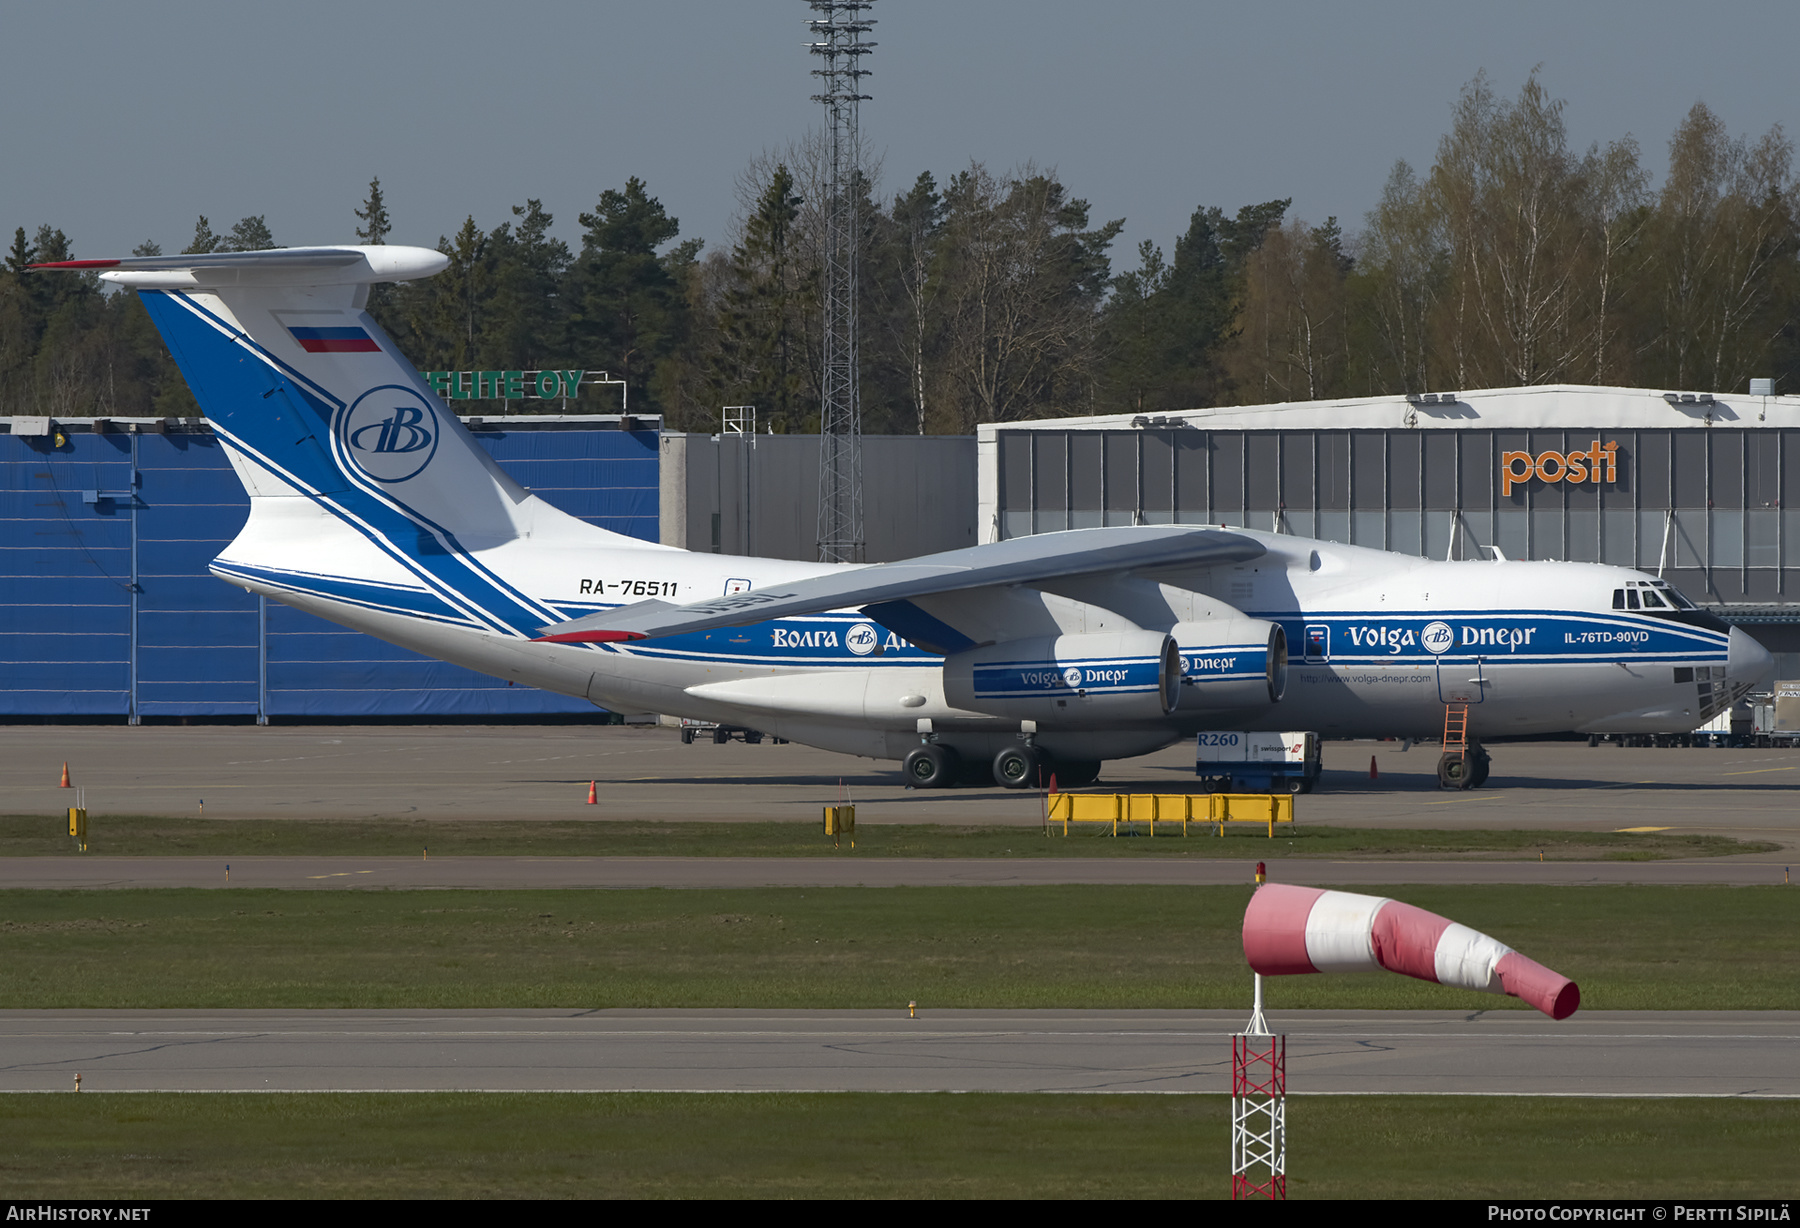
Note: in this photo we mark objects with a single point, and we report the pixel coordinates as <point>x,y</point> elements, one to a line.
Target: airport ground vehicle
<point>712,731</point>
<point>1230,761</point>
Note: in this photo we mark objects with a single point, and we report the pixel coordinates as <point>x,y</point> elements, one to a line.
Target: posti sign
<point>504,385</point>
<point>1586,465</point>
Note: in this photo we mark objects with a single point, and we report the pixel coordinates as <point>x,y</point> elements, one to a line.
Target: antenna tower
<point>839,29</point>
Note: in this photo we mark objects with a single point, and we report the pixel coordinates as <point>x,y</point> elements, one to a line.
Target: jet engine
<point>1134,675</point>
<point>1231,663</point>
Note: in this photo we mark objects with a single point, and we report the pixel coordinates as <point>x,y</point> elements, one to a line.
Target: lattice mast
<point>1258,1108</point>
<point>839,29</point>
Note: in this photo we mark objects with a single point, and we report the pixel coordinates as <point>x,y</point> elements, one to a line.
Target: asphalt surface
<point>1612,1053</point>
<point>543,772</point>
<point>475,773</point>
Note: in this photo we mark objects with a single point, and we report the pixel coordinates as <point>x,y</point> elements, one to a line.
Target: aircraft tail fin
<point>326,421</point>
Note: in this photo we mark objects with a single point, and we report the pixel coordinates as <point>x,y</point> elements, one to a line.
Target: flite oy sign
<point>1517,468</point>
<point>505,385</point>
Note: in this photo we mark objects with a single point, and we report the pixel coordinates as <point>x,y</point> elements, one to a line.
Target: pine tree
<point>628,310</point>
<point>204,239</point>
<point>527,329</point>
<point>251,234</point>
<point>760,336</point>
<point>374,214</point>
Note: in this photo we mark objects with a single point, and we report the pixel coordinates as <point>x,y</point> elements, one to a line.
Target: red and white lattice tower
<point>1258,1109</point>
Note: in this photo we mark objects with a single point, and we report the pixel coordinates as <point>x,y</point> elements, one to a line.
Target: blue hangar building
<point>107,609</point>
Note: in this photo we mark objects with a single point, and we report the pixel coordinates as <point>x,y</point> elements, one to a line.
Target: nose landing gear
<point>1464,763</point>
<point>1466,768</point>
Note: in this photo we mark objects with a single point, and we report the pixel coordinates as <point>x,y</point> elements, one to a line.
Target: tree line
<point>1513,259</point>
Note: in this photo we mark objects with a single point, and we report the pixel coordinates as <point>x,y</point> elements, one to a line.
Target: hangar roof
<point>1544,406</point>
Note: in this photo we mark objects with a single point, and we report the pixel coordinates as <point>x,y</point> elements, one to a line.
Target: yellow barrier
<point>841,821</point>
<point>1185,808</point>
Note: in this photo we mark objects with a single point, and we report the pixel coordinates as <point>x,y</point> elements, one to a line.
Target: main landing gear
<point>932,766</point>
<point>936,766</point>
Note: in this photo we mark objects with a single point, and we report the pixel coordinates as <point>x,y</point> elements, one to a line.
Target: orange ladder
<point>1456,729</point>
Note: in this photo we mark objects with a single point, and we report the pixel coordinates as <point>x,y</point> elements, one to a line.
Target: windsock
<point>1289,930</point>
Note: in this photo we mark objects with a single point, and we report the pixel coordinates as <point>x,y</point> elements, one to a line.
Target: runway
<point>1611,1053</point>
<point>496,873</point>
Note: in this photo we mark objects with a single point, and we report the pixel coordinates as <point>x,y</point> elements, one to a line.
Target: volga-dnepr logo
<point>390,433</point>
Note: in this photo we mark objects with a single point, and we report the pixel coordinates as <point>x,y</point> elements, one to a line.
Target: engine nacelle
<point>1134,675</point>
<point>1231,663</point>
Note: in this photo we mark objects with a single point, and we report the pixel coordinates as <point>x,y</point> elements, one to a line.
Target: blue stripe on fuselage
<point>1519,636</point>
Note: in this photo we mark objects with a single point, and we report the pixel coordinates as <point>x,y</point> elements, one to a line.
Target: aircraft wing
<point>1023,560</point>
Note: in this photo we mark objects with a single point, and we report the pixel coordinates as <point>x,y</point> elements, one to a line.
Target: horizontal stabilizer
<point>282,266</point>
<point>1022,560</point>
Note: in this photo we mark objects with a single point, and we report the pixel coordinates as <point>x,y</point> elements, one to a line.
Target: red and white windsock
<point>1290,930</point>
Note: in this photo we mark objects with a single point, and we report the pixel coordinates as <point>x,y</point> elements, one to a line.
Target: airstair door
<point>1461,680</point>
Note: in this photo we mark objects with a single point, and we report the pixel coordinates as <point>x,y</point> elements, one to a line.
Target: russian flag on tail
<point>335,340</point>
<point>1290,930</point>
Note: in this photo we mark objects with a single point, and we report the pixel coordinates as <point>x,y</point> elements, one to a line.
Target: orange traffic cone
<point>1373,774</point>
<point>593,797</point>
<point>1053,784</point>
<point>65,783</point>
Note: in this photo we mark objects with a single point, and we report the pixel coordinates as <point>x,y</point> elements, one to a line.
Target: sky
<point>122,122</point>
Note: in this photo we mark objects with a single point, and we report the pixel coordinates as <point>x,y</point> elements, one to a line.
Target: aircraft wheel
<point>1453,771</point>
<point>1016,767</point>
<point>931,767</point>
<point>687,737</point>
<point>1478,766</point>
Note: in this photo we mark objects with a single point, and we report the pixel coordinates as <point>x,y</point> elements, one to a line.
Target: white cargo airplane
<point>372,506</point>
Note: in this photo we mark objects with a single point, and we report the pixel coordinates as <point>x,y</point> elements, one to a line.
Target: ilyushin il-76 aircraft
<point>372,506</point>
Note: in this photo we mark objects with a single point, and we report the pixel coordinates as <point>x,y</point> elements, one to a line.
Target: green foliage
<point>66,349</point>
<point>1021,279</point>
<point>1516,260</point>
<point>1629,948</point>
<point>627,310</point>
<point>1167,325</point>
<point>146,836</point>
<point>376,224</point>
<point>1511,259</point>
<point>251,234</point>
<point>873,1145</point>
<point>762,357</point>
<point>204,240</point>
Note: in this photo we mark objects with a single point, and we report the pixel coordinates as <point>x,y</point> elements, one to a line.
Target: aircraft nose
<point>1746,661</point>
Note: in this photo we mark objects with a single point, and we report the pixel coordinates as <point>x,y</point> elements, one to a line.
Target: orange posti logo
<point>1517,468</point>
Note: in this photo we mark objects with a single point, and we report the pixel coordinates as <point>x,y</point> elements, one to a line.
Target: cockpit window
<point>1631,599</point>
<point>1652,601</point>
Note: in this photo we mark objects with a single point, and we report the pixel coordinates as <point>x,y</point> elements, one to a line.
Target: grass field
<point>668,1145</point>
<point>149,836</point>
<point>1629,947</point>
